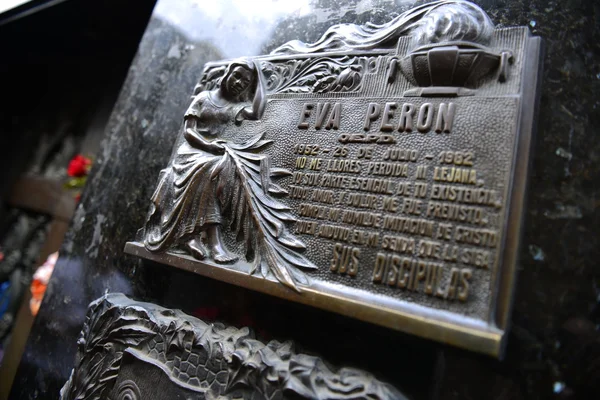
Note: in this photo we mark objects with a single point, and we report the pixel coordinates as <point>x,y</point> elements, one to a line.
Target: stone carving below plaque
<point>379,172</point>
<point>133,350</point>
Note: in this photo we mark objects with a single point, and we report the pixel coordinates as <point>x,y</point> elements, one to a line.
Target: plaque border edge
<point>487,341</point>
<point>502,303</point>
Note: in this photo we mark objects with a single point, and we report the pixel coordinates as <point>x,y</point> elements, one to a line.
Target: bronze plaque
<point>379,172</point>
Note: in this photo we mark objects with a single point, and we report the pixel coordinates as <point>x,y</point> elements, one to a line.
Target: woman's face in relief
<point>239,81</point>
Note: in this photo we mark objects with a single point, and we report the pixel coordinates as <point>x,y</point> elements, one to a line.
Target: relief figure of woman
<point>186,203</point>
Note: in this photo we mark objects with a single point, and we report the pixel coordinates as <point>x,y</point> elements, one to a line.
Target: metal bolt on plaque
<point>379,172</point>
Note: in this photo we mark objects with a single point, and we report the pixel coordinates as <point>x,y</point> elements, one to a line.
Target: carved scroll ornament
<point>130,350</point>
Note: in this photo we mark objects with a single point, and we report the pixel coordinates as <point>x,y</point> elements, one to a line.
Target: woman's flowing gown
<point>185,200</point>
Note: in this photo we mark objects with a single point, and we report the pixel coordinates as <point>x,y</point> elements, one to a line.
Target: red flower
<point>39,283</point>
<point>79,166</point>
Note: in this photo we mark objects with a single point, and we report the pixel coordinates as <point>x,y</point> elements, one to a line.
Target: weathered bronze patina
<point>130,350</point>
<point>379,172</point>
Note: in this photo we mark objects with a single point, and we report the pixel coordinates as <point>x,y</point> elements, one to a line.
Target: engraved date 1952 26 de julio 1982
<point>390,190</point>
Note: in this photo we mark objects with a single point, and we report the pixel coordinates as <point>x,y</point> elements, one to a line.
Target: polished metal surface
<point>378,172</point>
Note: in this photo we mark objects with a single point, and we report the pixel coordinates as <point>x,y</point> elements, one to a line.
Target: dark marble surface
<point>554,346</point>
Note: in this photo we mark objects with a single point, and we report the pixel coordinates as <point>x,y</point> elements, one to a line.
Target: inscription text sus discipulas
<point>428,237</point>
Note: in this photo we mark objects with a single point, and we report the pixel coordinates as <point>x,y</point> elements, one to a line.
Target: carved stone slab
<point>379,172</point>
<point>131,350</point>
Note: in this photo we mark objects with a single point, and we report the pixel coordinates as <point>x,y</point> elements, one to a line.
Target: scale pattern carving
<point>202,360</point>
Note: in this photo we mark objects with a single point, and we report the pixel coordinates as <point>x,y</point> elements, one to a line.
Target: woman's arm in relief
<point>257,109</point>
<point>194,137</point>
